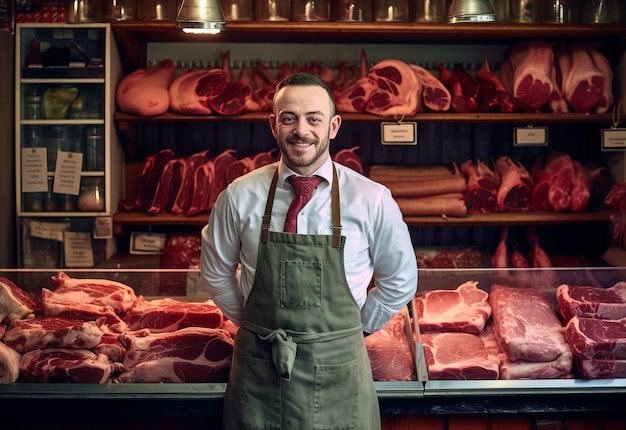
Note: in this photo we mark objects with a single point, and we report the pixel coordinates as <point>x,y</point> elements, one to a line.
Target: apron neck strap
<point>336,211</point>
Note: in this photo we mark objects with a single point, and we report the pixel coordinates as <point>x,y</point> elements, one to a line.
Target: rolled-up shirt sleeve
<point>220,257</point>
<point>395,266</point>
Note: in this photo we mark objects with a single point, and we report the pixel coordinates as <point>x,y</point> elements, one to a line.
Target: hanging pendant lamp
<point>200,16</point>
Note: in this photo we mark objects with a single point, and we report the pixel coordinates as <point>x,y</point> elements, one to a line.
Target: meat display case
<point>417,397</point>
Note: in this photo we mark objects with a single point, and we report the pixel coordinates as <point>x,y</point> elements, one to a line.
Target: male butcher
<point>302,298</point>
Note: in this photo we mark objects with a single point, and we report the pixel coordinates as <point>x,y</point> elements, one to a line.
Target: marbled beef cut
<point>397,91</point>
<point>592,302</point>
<point>16,303</point>
<point>67,365</point>
<point>532,81</point>
<point>597,338</point>
<point>458,356</point>
<point>9,364</point>
<point>389,352</point>
<point>526,324</point>
<point>465,309</point>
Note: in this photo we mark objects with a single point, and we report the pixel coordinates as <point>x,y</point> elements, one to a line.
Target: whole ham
<point>435,95</point>
<point>516,185</point>
<point>492,88</point>
<point>532,83</point>
<point>16,303</point>
<point>582,82</point>
<point>482,187</point>
<point>145,91</point>
<point>397,93</point>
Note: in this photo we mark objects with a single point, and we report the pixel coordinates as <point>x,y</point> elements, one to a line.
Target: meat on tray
<point>39,333</point>
<point>458,356</point>
<point>16,303</point>
<point>595,338</point>
<point>389,352</point>
<point>67,365</point>
<point>592,302</point>
<point>464,309</point>
<point>192,354</point>
<point>167,315</point>
<point>526,324</point>
<point>602,368</point>
<point>9,364</point>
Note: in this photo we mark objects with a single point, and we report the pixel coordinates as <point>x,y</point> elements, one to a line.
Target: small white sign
<point>67,173</point>
<point>614,139</point>
<point>147,243</point>
<point>398,133</point>
<point>34,175</point>
<point>48,230</point>
<point>530,136</point>
<point>78,250</point>
<point>103,228</point>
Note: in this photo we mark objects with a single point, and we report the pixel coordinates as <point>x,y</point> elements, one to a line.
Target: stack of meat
<point>449,318</point>
<point>190,185</point>
<point>424,191</point>
<point>595,328</point>
<point>99,331</point>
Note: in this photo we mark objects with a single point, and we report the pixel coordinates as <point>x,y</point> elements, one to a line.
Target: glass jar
<point>237,10</point>
<point>119,10</point>
<point>309,10</point>
<point>91,197</point>
<point>157,10</point>
<point>351,10</point>
<point>272,10</point>
<point>33,105</point>
<point>55,139</point>
<point>94,148</point>
<point>524,11</point>
<point>391,10</point>
<point>49,199</point>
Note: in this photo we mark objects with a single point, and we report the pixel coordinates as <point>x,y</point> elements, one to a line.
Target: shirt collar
<point>325,171</point>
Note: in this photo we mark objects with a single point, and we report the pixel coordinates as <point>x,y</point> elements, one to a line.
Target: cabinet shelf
<point>518,118</point>
<point>121,219</point>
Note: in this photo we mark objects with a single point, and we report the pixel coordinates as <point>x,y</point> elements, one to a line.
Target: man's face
<point>303,126</point>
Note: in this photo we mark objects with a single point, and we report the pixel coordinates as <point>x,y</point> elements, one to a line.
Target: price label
<point>34,175</point>
<point>530,136</point>
<point>103,228</point>
<point>147,243</point>
<point>67,173</point>
<point>398,133</point>
<point>614,139</point>
<point>78,250</point>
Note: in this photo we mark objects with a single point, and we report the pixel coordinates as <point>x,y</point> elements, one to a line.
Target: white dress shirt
<point>377,239</point>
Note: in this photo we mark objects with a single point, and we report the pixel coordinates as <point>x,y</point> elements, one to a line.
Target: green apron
<point>300,360</point>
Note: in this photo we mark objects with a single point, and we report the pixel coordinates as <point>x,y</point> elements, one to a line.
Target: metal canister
<point>156,10</point>
<point>428,10</point>
<point>79,11</point>
<point>272,10</point>
<point>562,12</point>
<point>310,10</point>
<point>391,10</point>
<point>524,11</point>
<point>119,10</point>
<point>237,10</point>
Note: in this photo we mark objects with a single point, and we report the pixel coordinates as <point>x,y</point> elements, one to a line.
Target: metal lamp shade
<point>200,16</point>
<point>471,11</point>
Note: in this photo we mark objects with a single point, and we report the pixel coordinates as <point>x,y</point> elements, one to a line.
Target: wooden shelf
<point>523,118</point>
<point>121,219</point>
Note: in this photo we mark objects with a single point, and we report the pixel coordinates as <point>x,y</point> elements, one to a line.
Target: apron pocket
<point>260,394</point>
<point>336,391</point>
<point>300,284</point>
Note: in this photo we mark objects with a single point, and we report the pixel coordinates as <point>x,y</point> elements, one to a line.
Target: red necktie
<point>303,186</point>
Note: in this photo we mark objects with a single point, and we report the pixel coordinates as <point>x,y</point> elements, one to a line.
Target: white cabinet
<point>67,156</point>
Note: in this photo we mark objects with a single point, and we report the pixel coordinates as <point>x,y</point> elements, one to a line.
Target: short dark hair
<point>308,79</point>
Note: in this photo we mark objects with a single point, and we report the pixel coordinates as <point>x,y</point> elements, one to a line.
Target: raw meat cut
<point>500,258</point>
<point>526,324</point>
<point>604,66</point>
<point>184,196</point>
<point>168,186</point>
<point>449,258</point>
<point>453,84</point>
<point>182,92</point>
<point>110,346</point>
<point>582,83</point>
<point>66,365</point>
<point>67,306</point>
<point>222,161</point>
<point>167,315</point>
<point>482,187</point>
<point>435,95</point>
<point>470,88</point>
<point>16,303</point>
<point>396,92</point>
<point>515,187</point>
<point>465,309</point>
<point>561,367</point>
<point>349,158</point>
<point>592,302</point>
<point>356,93</point>
<point>9,364</point>
<point>39,333</point>
<point>602,369</point>
<point>492,88</point>
<point>203,180</point>
<point>597,338</point>
<point>561,171</point>
<point>389,352</point>
<point>446,360</point>
<point>145,91</point>
<point>120,297</point>
<point>148,181</point>
<point>192,354</point>
<point>532,83</point>
<point>581,188</point>
<point>541,186</point>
